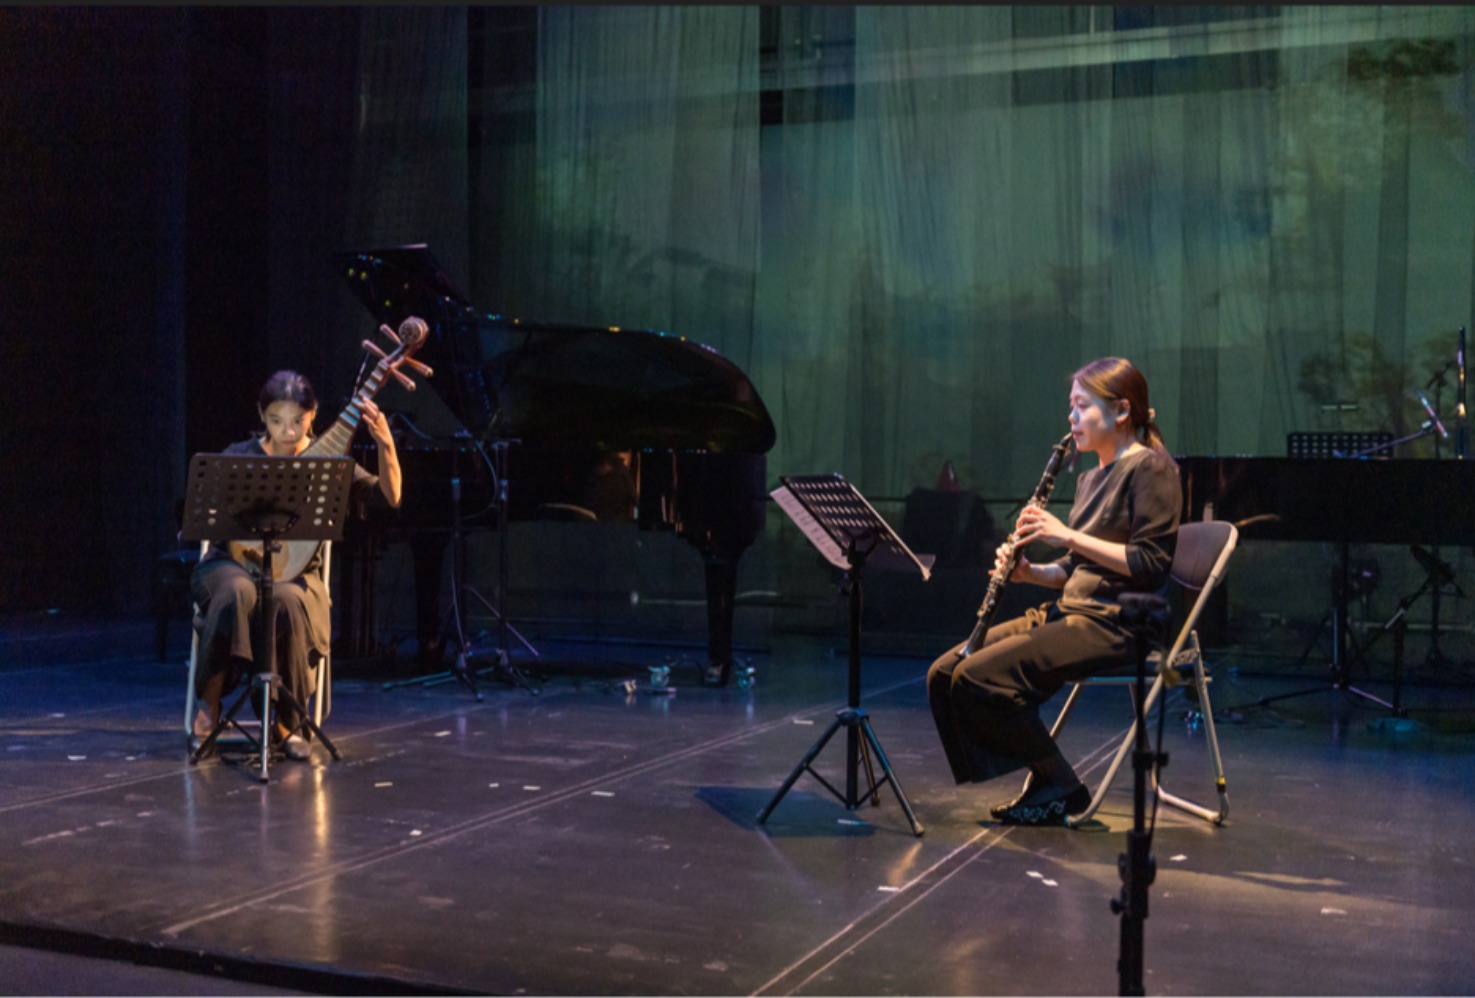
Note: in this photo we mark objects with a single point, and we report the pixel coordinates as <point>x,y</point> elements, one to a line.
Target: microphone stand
<point>1435,656</point>
<point>1423,432</point>
<point>462,669</point>
<point>1433,582</point>
<point>1462,433</point>
<point>1341,665</point>
<point>1397,625</point>
<point>1142,615</point>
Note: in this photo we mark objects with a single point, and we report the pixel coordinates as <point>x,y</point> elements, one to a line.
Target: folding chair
<point>322,697</point>
<point>1199,561</point>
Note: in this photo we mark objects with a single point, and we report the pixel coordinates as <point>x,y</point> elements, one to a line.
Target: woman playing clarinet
<point>1119,538</point>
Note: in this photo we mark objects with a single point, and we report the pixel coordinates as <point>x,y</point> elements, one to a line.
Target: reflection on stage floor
<point>598,840</point>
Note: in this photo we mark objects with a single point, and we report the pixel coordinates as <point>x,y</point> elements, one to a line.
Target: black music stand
<point>849,533</point>
<point>267,499</point>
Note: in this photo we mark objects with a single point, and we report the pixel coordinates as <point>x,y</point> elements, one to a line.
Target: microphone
<point>1433,416</point>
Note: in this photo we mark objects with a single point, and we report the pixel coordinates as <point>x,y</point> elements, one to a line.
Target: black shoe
<point>1040,813</point>
<point>999,810</point>
<point>1032,796</point>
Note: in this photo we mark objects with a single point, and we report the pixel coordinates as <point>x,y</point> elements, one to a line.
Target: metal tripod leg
<point>459,672</point>
<point>269,685</point>
<point>228,719</point>
<point>504,670</point>
<point>809,757</point>
<point>890,777</point>
<point>858,725</point>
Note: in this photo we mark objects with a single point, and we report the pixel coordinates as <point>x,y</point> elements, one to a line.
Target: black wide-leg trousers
<point>987,706</point>
<point>226,595</point>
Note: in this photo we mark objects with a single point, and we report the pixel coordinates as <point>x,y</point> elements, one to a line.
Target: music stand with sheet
<point>850,534</point>
<point>231,497</point>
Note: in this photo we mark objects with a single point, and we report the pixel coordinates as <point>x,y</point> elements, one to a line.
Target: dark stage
<point>590,840</point>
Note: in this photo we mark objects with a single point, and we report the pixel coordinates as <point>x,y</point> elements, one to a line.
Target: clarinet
<point>997,581</point>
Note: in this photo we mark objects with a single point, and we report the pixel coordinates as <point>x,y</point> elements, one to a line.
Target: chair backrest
<point>1199,561</point>
<point>1202,551</point>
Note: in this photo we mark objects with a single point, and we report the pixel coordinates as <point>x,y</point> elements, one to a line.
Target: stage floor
<point>587,840</point>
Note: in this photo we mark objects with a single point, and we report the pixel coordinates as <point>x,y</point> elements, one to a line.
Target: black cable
<point>409,424</point>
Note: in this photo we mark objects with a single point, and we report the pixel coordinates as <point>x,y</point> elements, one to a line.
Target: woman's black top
<point>1136,500</point>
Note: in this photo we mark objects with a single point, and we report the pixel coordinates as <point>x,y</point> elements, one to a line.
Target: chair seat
<point>1127,673</point>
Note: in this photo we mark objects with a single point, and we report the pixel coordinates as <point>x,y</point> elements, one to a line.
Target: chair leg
<point>322,697</point>
<point>1123,750</point>
<point>190,701</point>
<point>1216,758</point>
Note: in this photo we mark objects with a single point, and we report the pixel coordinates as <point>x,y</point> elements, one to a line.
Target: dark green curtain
<point>909,224</point>
<point>1269,210</point>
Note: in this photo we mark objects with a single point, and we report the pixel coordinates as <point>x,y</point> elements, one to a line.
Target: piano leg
<point>721,572</point>
<point>428,554</point>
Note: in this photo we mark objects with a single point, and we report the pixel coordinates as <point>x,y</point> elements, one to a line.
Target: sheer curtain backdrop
<point>909,224</point>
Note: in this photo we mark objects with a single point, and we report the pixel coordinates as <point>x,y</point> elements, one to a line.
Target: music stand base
<point>270,686</point>
<point>858,725</point>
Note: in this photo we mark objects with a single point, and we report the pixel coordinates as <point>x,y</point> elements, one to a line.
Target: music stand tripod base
<point>857,723</point>
<point>848,532</point>
<point>269,684</point>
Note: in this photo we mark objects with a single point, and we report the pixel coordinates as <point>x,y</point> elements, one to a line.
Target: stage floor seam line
<point>93,712</point>
<point>473,824</point>
<point>346,738</point>
<point>894,905</point>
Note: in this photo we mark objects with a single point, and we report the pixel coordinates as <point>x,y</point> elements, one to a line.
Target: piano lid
<point>557,385</point>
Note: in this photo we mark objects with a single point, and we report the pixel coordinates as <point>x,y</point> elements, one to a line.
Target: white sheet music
<point>817,534</point>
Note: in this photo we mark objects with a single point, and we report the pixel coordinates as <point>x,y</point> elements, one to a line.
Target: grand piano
<point>593,423</point>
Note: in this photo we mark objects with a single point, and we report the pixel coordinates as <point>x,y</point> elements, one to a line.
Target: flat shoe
<point>1043,813</point>
<point>296,749</point>
<point>999,810</point>
<point>203,725</point>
